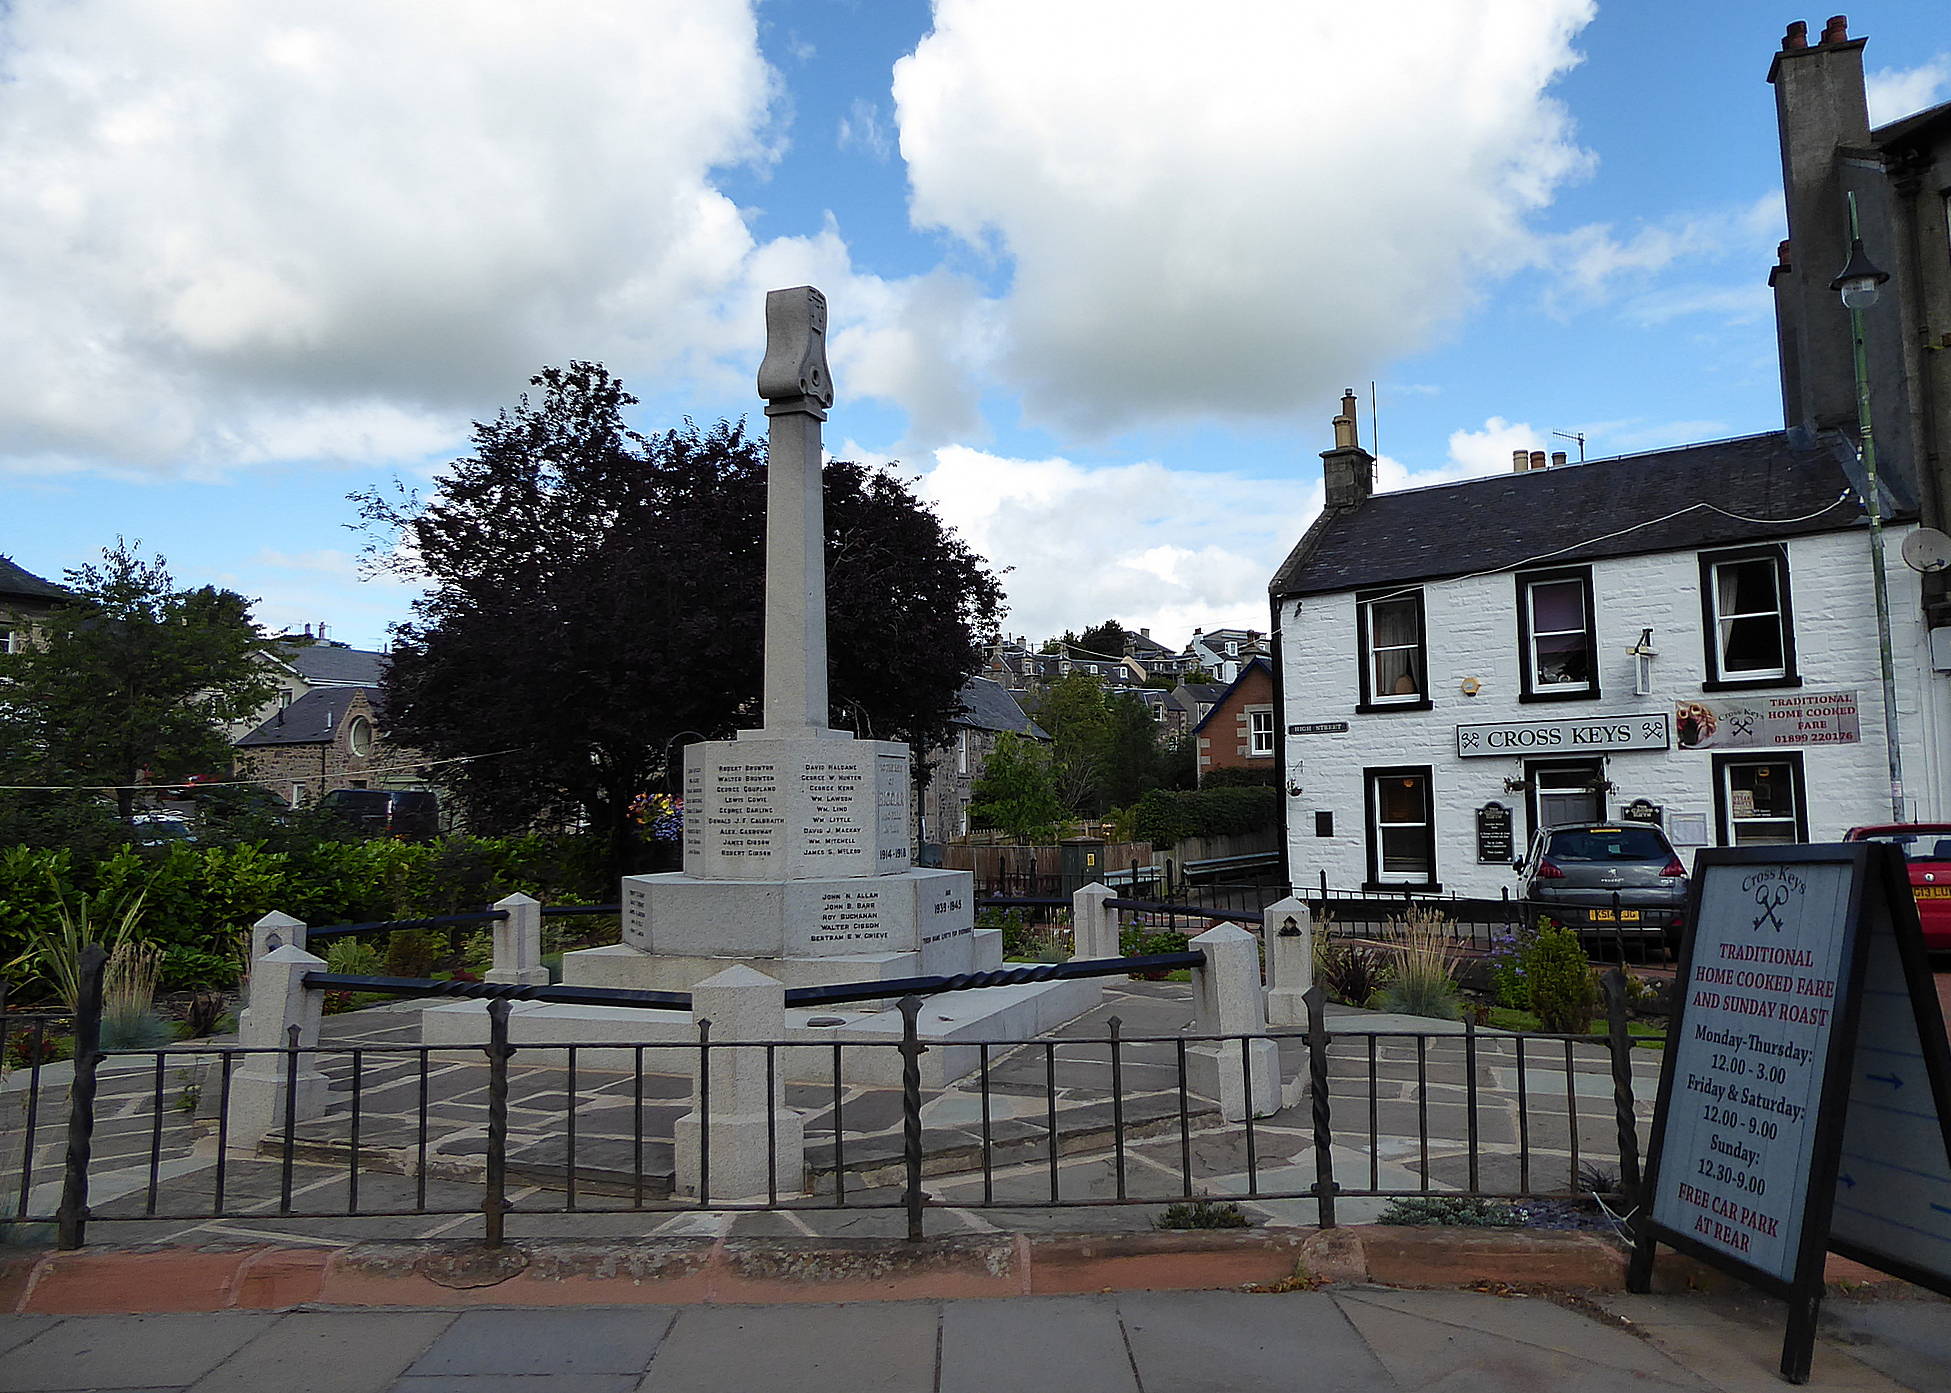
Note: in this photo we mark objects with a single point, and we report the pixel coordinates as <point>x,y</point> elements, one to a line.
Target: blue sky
<point>1098,272</point>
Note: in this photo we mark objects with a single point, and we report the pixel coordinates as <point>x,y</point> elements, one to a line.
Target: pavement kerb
<point>683,1271</point>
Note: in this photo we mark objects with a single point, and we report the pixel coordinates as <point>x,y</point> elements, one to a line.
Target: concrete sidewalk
<point>1350,1338</point>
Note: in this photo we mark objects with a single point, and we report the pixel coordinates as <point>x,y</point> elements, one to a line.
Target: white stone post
<point>742,1005</point>
<point>1289,935</point>
<point>273,931</point>
<point>518,943</point>
<point>257,1089</point>
<point>1093,923</point>
<point>1241,1075</point>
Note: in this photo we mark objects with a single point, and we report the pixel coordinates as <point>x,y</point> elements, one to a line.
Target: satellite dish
<point>1927,550</point>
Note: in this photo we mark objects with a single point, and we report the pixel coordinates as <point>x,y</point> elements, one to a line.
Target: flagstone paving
<point>1402,1105</point>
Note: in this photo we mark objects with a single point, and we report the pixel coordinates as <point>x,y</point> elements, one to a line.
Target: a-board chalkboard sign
<point>1494,842</point>
<point>1806,1090</point>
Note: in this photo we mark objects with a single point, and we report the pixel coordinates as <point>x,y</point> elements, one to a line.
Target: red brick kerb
<point>217,1277</point>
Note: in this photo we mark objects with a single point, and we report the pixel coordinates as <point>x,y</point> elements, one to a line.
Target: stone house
<point>1237,731</point>
<point>307,664</point>
<point>1899,175</point>
<point>1186,705</point>
<point>25,599</point>
<point>326,739</point>
<point>988,711</point>
<point>1686,636</point>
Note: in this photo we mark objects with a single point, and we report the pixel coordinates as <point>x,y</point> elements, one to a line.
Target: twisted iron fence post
<point>494,1204</point>
<point>1324,1138</point>
<point>1619,1043</point>
<point>73,1214</point>
<point>911,1052</point>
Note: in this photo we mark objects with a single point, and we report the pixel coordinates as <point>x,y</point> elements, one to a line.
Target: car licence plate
<point>1931,892</point>
<point>1626,916</point>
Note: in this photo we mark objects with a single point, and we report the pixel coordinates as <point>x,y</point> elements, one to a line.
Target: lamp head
<point>1860,279</point>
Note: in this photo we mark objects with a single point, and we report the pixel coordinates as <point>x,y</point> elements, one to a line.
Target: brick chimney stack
<point>1348,469</point>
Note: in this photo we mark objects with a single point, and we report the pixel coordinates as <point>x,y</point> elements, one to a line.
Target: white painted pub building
<point>1687,637</point>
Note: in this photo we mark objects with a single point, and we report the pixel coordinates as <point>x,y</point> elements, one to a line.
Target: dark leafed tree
<point>132,681</point>
<point>595,602</point>
<point>1108,639</point>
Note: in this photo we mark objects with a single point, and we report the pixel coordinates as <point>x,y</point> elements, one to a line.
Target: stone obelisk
<point>797,389</point>
<point>796,851</point>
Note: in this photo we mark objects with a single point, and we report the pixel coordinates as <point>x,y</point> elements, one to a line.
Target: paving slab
<point>336,1352</point>
<point>867,1347</point>
<point>126,1352</point>
<point>519,1383</point>
<point>1740,1355</point>
<point>1420,1353</point>
<point>1526,1320</point>
<point>18,1330</point>
<point>1217,1342</point>
<point>1909,1341</point>
<point>585,1341</point>
<point>1034,1344</point>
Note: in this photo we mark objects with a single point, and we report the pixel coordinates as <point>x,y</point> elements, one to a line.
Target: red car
<point>1927,855</point>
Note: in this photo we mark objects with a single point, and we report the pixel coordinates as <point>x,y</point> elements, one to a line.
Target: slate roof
<point>1227,691</point>
<point>313,719</point>
<point>987,705</point>
<point>1582,512</point>
<point>328,664</point>
<point>1916,124</point>
<point>1196,694</point>
<point>16,581</point>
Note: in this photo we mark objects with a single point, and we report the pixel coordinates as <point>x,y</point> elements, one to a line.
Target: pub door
<point>1566,791</point>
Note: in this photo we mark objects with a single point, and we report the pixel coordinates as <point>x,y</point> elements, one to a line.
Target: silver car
<point>1607,878</point>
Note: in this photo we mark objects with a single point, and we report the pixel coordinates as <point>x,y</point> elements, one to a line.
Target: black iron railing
<point>1471,1111</point>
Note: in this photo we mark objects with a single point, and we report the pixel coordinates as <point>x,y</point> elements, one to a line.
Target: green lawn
<point>1645,1033</point>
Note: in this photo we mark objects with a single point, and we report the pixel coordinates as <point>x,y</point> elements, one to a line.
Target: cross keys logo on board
<point>1772,889</point>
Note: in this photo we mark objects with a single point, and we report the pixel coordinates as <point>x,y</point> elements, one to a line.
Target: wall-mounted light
<point>1642,654</point>
<point>1294,790</point>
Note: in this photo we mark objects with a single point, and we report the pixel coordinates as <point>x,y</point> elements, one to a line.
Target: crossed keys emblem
<point>1770,900</point>
<point>1741,722</point>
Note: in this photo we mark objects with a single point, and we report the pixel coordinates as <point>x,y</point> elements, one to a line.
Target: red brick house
<point>1238,732</point>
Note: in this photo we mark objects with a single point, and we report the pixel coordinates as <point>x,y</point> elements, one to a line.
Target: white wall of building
<point>1471,628</point>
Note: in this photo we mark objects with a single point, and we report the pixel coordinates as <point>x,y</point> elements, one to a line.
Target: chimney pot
<point>1520,461</point>
<point>1781,254</point>
<point>1797,35</point>
<point>1537,459</point>
<point>1557,458</point>
<point>1837,30</point>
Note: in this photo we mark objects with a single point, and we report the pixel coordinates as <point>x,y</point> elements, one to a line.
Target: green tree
<point>1016,792</point>
<point>1107,639</point>
<point>1073,710</point>
<point>595,601</point>
<point>1133,761</point>
<point>132,681</point>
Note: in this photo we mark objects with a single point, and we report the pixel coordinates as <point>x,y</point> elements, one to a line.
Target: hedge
<point>1163,817</point>
<point>200,899</point>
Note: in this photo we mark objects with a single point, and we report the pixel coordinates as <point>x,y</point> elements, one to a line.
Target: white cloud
<point>1184,195</point>
<point>862,129</point>
<point>1600,263</point>
<point>1154,547</point>
<point>231,233</point>
<point>1897,92</point>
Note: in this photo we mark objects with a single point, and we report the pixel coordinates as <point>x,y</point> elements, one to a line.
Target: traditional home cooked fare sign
<point>1752,723</point>
<point>1572,735</point>
<point>1748,1071</point>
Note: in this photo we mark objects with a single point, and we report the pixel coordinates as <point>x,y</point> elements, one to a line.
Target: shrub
<point>1562,991</point>
<point>129,1019</point>
<point>1423,980</point>
<point>1164,818</point>
<point>412,953</point>
<point>1351,973</point>
<point>1460,1211</point>
<point>351,958</point>
<point>1202,1214</point>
